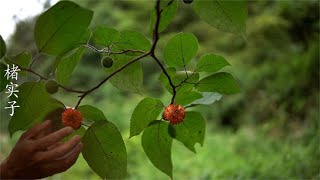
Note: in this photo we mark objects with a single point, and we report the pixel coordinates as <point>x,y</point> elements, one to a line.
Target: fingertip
<point>48,121</point>
<point>80,146</point>
<point>77,138</point>
<point>68,129</point>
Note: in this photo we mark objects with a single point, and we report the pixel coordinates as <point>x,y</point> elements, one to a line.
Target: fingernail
<point>47,121</point>
<point>80,145</point>
<point>77,137</point>
<point>69,129</point>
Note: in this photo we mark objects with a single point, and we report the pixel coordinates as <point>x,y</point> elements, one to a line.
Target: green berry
<point>52,86</point>
<point>187,1</point>
<point>107,62</point>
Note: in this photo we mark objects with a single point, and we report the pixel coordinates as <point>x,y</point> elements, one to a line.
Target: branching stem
<point>151,53</point>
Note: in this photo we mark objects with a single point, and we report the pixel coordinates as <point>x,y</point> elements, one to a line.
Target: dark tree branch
<point>152,53</point>
<point>174,92</point>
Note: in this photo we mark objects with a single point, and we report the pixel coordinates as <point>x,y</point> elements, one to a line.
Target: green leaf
<point>35,103</point>
<point>86,37</point>
<point>91,113</point>
<point>211,63</point>
<point>208,98</point>
<point>222,83</point>
<point>229,16</point>
<point>168,9</point>
<point>81,131</point>
<point>180,50</point>
<point>191,130</point>
<point>22,60</point>
<point>129,79</point>
<point>3,48</point>
<point>132,40</point>
<point>156,143</point>
<point>105,151</point>
<point>60,28</point>
<point>185,98</point>
<point>179,78</point>
<point>3,79</point>
<point>66,65</point>
<point>146,111</point>
<point>105,36</point>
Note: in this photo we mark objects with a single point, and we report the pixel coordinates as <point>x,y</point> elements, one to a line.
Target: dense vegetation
<point>270,130</point>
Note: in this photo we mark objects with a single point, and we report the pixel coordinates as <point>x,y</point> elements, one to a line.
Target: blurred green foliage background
<point>268,131</point>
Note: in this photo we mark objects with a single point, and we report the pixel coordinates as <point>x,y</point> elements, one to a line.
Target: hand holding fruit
<point>40,153</point>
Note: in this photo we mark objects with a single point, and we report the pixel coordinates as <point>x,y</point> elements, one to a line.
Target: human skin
<point>40,153</point>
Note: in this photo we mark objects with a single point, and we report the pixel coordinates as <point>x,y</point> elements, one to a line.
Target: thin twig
<point>128,50</point>
<point>108,77</point>
<point>95,49</point>
<point>44,78</point>
<point>109,50</point>
<point>34,59</point>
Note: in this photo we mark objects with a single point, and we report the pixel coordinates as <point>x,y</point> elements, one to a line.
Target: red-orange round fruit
<point>174,113</point>
<point>72,117</point>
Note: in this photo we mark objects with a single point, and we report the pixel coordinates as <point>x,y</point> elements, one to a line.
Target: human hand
<point>40,153</point>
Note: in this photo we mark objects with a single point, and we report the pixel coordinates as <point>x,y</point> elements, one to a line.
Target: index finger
<point>53,138</point>
<point>37,129</point>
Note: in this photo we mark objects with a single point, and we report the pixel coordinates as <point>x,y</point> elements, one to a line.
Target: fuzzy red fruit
<point>72,117</point>
<point>174,113</point>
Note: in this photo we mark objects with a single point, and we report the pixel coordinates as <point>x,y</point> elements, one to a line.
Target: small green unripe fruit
<point>107,62</point>
<point>187,1</point>
<point>52,86</point>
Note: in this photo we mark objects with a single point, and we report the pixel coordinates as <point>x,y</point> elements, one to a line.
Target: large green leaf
<point>105,151</point>
<point>211,63</point>
<point>132,40</point>
<point>179,78</point>
<point>229,16</point>
<point>146,111</point>
<point>53,105</point>
<point>156,143</point>
<point>129,79</point>
<point>208,98</point>
<point>191,130</point>
<point>35,103</point>
<point>22,60</point>
<point>105,36</point>
<point>91,113</point>
<point>3,79</point>
<point>60,28</point>
<point>180,50</point>
<point>3,48</point>
<point>66,65</point>
<point>168,9</point>
<point>222,83</point>
<point>185,98</point>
